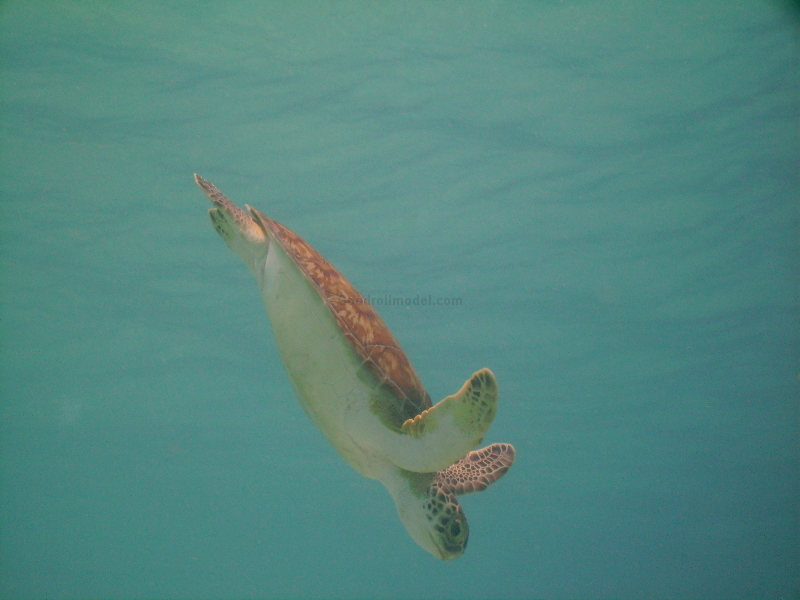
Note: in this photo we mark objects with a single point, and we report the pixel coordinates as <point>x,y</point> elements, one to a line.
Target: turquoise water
<point>609,190</point>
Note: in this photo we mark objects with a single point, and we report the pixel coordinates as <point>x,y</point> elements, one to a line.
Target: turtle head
<point>446,523</point>
<point>433,518</point>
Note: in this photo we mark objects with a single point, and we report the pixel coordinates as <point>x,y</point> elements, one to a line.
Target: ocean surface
<point>600,199</point>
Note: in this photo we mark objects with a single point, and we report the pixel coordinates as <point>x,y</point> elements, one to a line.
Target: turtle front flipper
<point>454,426</point>
<point>477,470</point>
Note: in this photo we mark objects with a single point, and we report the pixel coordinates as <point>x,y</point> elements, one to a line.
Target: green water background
<point>610,189</point>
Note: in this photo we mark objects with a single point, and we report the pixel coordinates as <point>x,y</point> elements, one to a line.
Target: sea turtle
<point>355,383</point>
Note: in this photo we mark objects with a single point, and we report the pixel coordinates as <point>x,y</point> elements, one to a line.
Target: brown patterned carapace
<point>358,320</point>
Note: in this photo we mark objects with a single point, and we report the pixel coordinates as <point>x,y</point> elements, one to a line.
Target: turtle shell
<point>360,323</point>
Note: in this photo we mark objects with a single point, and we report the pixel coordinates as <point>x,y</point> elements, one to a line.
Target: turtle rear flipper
<point>237,229</point>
